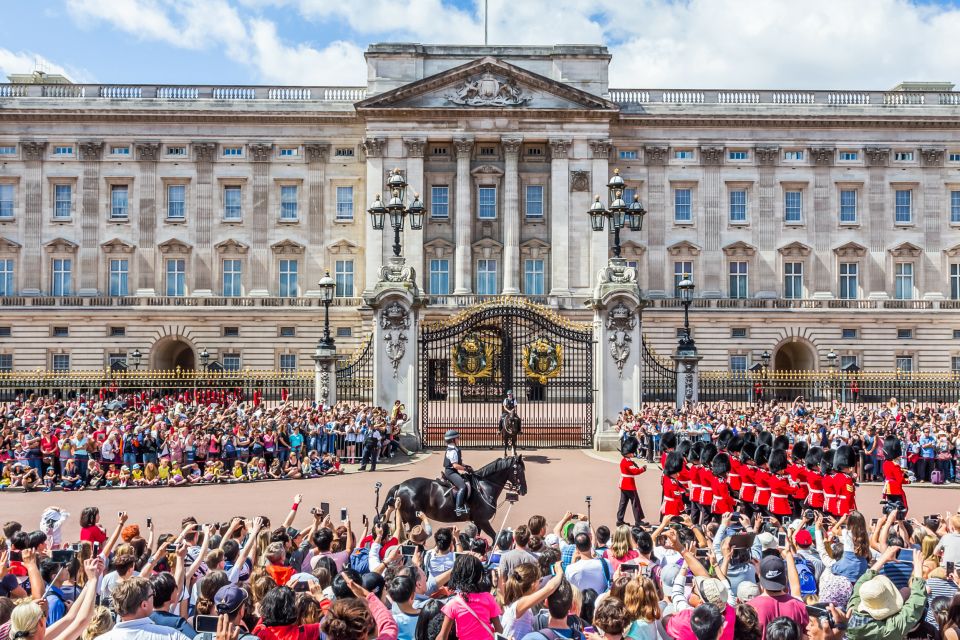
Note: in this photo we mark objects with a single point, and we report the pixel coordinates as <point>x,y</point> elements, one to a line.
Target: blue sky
<point>656,43</point>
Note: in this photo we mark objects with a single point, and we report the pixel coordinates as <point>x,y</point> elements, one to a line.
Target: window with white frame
<point>683,154</point>
<point>738,155</point>
<point>738,205</point>
<point>230,361</point>
<point>848,360</point>
<point>681,270</point>
<point>954,281</point>
<point>120,150</point>
<point>955,364</point>
<point>738,279</point>
<point>119,277</point>
<point>232,202</point>
<point>60,362</point>
<point>289,152</point>
<point>903,277</point>
<point>344,203</point>
<point>288,278</point>
<point>904,364</point>
<point>486,277</point>
<point>232,278</point>
<point>848,333</point>
<point>440,201</point>
<point>176,277</point>
<point>119,202</point>
<point>954,206</point>
<point>738,363</point>
<point>849,156</point>
<point>288,362</point>
<point>62,201</point>
<point>343,152</point>
<point>903,156</point>
<point>6,363</point>
<point>232,152</point>
<point>682,205</point>
<point>343,274</point>
<point>62,274</point>
<point>487,202</point>
<point>8,149</point>
<point>288,202</point>
<point>534,201</point>
<point>6,277</point>
<point>793,280</point>
<point>176,201</point>
<point>63,150</point>
<point>793,155</point>
<point>628,154</point>
<point>903,202</point>
<point>177,151</point>
<point>439,277</point>
<point>533,278</point>
<point>6,200</point>
<point>793,206</point>
<point>849,289</point>
<point>848,206</point>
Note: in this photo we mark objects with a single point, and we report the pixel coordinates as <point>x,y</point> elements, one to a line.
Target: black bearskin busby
<point>683,448</point>
<point>826,462</point>
<point>707,454</point>
<point>629,446</point>
<point>765,438</point>
<point>843,458</point>
<point>673,464</point>
<point>668,441</point>
<point>723,439</point>
<point>720,465</point>
<point>892,449</point>
<point>781,442</point>
<point>778,461</point>
<point>799,452</point>
<point>735,444</point>
<point>814,458</point>
<point>693,455</point>
<point>762,455</point>
<point>747,451</point>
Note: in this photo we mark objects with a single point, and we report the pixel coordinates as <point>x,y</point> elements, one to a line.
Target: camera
<point>889,506</point>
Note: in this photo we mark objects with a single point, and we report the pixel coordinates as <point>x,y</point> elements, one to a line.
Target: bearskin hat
<point>735,444</point>
<point>629,446</point>
<point>720,465</point>
<point>762,455</point>
<point>781,442</point>
<point>765,438</point>
<point>892,449</point>
<point>814,458</point>
<point>723,439</point>
<point>693,455</point>
<point>778,460</point>
<point>799,451</point>
<point>747,451</point>
<point>668,440</point>
<point>707,454</point>
<point>826,463</point>
<point>843,457</point>
<point>683,448</point>
<point>673,464</point>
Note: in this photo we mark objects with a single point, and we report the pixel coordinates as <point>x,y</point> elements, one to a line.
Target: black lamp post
<point>136,356</point>
<point>397,209</point>
<point>832,367</point>
<point>687,345</point>
<point>204,359</point>
<point>620,213</point>
<point>328,288</point>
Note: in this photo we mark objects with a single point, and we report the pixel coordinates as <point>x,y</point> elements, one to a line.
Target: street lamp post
<point>136,356</point>
<point>204,359</point>
<point>325,355</point>
<point>765,358</point>
<point>686,345</point>
<point>620,212</point>
<point>328,288</point>
<point>397,209</point>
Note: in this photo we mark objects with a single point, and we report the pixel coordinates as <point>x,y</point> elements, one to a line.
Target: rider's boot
<point>461,510</point>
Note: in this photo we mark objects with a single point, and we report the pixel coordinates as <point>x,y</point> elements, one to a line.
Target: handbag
<point>485,625</point>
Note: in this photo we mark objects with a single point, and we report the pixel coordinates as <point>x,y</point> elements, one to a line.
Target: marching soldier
<point>797,474</point>
<point>781,489</point>
<point>893,475</point>
<point>813,478</point>
<point>629,470</point>
<point>672,504</point>
<point>748,487</point>
<point>844,481</point>
<point>707,481</point>
<point>722,501</point>
<point>761,478</point>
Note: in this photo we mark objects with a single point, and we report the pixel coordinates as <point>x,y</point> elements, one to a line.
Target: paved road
<point>558,480</point>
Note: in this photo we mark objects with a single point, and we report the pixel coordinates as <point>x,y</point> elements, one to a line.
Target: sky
<point>757,44</point>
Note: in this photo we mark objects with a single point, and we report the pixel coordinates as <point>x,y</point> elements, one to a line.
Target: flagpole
<point>486,10</point>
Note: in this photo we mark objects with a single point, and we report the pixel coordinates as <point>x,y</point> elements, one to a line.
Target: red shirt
<point>93,533</point>
<point>629,469</point>
<point>672,502</point>
<point>780,491</point>
<point>798,475</point>
<point>846,493</point>
<point>829,494</point>
<point>815,485</point>
<point>706,481</point>
<point>696,484</point>
<point>734,478</point>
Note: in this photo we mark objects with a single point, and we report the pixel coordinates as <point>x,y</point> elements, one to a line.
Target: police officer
<point>453,467</point>
<point>508,408</point>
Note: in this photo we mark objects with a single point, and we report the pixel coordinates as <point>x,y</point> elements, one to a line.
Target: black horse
<point>436,500</point>
<point>509,432</point>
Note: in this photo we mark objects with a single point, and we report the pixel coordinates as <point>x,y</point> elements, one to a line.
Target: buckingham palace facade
<point>175,219</point>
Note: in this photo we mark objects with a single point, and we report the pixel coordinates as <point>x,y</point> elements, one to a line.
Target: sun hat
<point>879,598</point>
<point>767,541</point>
<point>713,591</point>
<point>747,591</point>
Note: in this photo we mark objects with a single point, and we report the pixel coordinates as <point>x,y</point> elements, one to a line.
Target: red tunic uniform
<point>781,490</point>
<point>683,479</point>
<point>706,483</point>
<point>815,486</point>
<point>798,476</point>
<point>628,471</point>
<point>672,500</point>
<point>735,477</point>
<point>762,479</point>
<point>696,484</point>
<point>663,458</point>
<point>748,485</point>
<point>722,502</point>
<point>829,494</point>
<point>846,493</point>
<point>893,480</point>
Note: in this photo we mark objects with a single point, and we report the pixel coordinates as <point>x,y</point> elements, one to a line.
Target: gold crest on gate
<point>472,359</point>
<point>543,360</point>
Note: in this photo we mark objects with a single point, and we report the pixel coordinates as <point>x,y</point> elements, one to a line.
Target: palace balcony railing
<point>785,97</point>
<point>184,93</point>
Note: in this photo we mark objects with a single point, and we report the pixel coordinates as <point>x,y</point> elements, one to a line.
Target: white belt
<point>625,475</point>
<point>778,495</point>
<point>816,490</point>
<point>747,484</point>
<point>671,498</point>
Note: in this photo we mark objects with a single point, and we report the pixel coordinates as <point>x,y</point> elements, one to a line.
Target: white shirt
<point>142,629</point>
<point>587,574</point>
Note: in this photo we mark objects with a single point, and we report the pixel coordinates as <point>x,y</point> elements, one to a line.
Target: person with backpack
<point>587,570</point>
<point>561,610</point>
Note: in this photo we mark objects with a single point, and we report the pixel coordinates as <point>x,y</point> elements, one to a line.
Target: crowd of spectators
<point>48,443</point>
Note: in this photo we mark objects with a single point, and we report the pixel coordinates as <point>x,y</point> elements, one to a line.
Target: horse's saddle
<point>445,483</point>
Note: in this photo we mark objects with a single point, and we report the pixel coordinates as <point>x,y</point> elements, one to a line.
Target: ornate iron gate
<point>659,380</point>
<point>355,375</point>
<point>469,362</point>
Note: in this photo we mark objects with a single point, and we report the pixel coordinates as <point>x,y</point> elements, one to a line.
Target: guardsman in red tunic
<point>893,476</point>
<point>672,489</point>
<point>814,479</point>
<point>629,470</point>
<point>761,478</point>
<point>826,474</point>
<point>781,489</point>
<point>668,442</point>
<point>748,487</point>
<point>798,476</point>
<point>695,481</point>
<point>707,481</point>
<point>844,482</point>
<point>735,477</point>
<point>722,502</point>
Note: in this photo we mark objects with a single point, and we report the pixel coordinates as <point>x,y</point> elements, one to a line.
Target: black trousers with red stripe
<point>629,496</point>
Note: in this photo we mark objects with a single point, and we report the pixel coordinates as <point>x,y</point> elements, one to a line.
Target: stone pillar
<point>934,179</point>
<point>147,155</point>
<point>559,217</point>
<point>373,250</point>
<point>413,239</point>
<point>325,376</point>
<point>823,222</point>
<point>714,214</point>
<point>599,174</point>
<point>32,266</point>
<point>90,212</point>
<point>316,232</point>
<point>688,376</point>
<point>767,223</point>
<point>463,219</point>
<point>617,306</point>
<point>659,278</point>
<point>205,257</point>
<point>511,215</point>
<point>873,279</point>
<point>260,226</point>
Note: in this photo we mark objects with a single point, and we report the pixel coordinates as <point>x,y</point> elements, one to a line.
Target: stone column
<point>712,281</point>
<point>823,221</point>
<point>559,217</point>
<point>766,223</point>
<point>32,265</point>
<point>205,257</point>
<point>413,239</point>
<point>599,174</point>
<point>88,255</point>
<point>463,219</point>
<point>933,201</point>
<point>873,279</point>
<point>147,155</point>
<point>688,377</point>
<point>316,232</point>
<point>325,376</point>
<point>658,278</point>
<point>373,251</point>
<point>260,226</point>
<point>511,214</point>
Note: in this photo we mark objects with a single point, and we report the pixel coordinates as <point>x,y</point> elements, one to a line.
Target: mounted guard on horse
<point>509,426</point>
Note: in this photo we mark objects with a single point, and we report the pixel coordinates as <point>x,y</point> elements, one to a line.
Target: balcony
<point>199,94</point>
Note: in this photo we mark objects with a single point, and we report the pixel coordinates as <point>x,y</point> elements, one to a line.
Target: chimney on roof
<point>932,87</point>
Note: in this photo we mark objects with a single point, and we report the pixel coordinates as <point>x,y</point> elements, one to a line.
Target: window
<point>5,332</point>
<point>792,206</point>
<point>533,284</point>
<point>903,156</point>
<point>904,281</point>
<point>738,332</point>
<point>793,280</point>
<point>288,278</point>
<point>439,150</point>
<point>903,213</point>
<point>848,281</point>
<point>232,278</point>
<point>737,155</point>
<point>904,334</point>
<point>8,150</point>
<point>288,202</point>
<point>953,157</point>
<point>63,151</point>
<point>6,200</point>
<point>60,362</point>
<point>487,203</point>
<point>118,202</point>
<point>738,363</point>
<point>793,155</point>
<point>486,277</point>
<point>62,277</point>
<point>682,205</point>
<point>534,201</point>
<point>344,278</point>
<point>230,361</point>
<point>848,206</point>
<point>6,277</point>
<point>61,332</point>
<point>628,154</point>
<point>488,151</point>
<point>288,362</point>
<point>848,361</point>
<point>683,154</point>
<point>535,150</point>
<point>905,364</point>
<point>738,205</point>
<point>954,205</point>
<point>289,152</point>
<point>955,364</point>
<point>956,334</point>
<point>117,361</point>
<point>177,151</point>
<point>439,277</point>
<point>849,156</point>
<point>344,332</point>
<point>344,203</point>
<point>232,208</point>
<point>176,201</point>
<point>439,201</point>
<point>233,152</point>
<point>288,332</point>
<point>119,277</point>
<point>681,270</point>
<point>118,332</point>
<point>231,332</point>
<point>6,362</point>
<point>738,279</point>
<point>848,333</point>
<point>176,276</point>
<point>123,150</point>
<point>62,201</point>
<point>343,152</point>
<point>955,281</point>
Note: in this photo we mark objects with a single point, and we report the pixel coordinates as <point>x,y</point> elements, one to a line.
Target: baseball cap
<point>803,538</point>
<point>773,573</point>
<point>229,598</point>
<point>767,540</point>
<point>746,591</point>
<point>712,590</point>
<point>581,527</point>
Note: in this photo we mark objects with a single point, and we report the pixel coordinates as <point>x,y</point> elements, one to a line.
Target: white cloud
<point>339,63</point>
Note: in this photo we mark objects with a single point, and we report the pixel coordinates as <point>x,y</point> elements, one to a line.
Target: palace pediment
<point>486,83</point>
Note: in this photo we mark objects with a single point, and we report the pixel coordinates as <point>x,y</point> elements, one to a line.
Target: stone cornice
<point>204,151</point>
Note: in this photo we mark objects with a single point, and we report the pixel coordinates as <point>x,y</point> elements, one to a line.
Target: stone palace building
<point>173,219</point>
